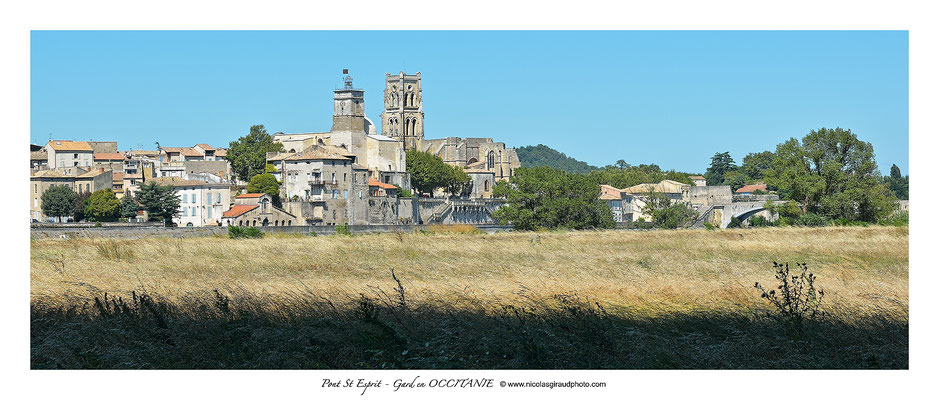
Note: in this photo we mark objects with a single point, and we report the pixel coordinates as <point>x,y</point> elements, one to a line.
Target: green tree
<point>624,176</point>
<point>103,205</point>
<point>899,184</point>
<point>459,182</point>
<point>754,164</point>
<point>833,174</point>
<point>428,172</point>
<point>266,183</point>
<point>721,164</point>
<point>78,212</point>
<point>667,214</point>
<point>59,201</point>
<point>129,206</point>
<point>735,179</point>
<point>160,201</point>
<point>248,154</point>
<point>544,197</point>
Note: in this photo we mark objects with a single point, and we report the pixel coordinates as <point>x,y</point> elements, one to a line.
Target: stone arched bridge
<point>721,214</point>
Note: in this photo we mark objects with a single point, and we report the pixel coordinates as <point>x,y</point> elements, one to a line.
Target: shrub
<point>759,221</point>
<point>812,219</point>
<point>798,299</point>
<point>901,218</point>
<point>237,232</point>
<point>343,230</point>
<point>709,226</point>
<point>734,223</point>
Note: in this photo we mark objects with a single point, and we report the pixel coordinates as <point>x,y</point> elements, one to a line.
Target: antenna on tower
<point>347,79</point>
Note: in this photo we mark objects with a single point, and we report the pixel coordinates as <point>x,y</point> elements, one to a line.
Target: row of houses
<point>628,204</point>
<point>196,173</point>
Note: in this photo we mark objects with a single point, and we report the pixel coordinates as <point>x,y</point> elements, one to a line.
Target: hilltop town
<point>354,175</point>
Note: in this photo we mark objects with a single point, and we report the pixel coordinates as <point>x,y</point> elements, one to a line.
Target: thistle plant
<point>797,299</point>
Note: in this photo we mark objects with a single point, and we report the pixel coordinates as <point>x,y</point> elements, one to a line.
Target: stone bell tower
<point>403,115</point>
<point>349,107</point>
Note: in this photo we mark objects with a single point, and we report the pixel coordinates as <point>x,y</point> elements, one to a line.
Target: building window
<point>209,212</point>
<point>218,198</point>
<point>345,194</point>
<point>35,188</point>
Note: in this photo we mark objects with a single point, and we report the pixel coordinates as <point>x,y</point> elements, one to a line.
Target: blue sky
<point>673,98</point>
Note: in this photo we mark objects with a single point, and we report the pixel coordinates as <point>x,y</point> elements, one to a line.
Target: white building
<point>66,153</point>
<point>201,203</point>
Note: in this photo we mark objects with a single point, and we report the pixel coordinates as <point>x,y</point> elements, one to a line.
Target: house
<point>117,183</point>
<point>671,189</point>
<point>698,180</point>
<point>38,159</point>
<point>181,154</point>
<point>256,209</point>
<point>381,189</point>
<point>81,180</point>
<point>748,190</point>
<point>112,161</point>
<point>620,203</point>
<point>208,152</point>
<point>66,153</point>
<point>201,203</point>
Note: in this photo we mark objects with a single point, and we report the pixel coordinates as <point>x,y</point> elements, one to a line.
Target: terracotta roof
<point>143,153</point>
<point>696,177</point>
<point>221,153</point>
<point>68,145</point>
<point>117,177</point>
<point>57,173</point>
<point>750,188</point>
<point>109,157</point>
<point>315,153</point>
<point>38,155</point>
<point>184,151</point>
<point>249,195</point>
<point>374,182</point>
<point>180,182</point>
<point>607,196</point>
<point>665,186</point>
<point>238,210</point>
<point>204,146</point>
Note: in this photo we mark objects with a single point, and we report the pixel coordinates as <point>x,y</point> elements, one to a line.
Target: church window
<point>490,160</point>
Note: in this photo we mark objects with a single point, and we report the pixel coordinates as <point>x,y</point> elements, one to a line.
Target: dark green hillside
<point>541,155</point>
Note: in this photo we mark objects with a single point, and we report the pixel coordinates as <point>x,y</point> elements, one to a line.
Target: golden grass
<point>649,272</point>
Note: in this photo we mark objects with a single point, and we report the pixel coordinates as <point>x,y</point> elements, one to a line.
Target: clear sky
<point>673,98</point>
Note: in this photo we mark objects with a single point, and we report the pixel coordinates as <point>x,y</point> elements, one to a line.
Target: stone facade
<point>81,180</point>
<point>403,115</point>
<point>707,195</point>
<point>256,209</point>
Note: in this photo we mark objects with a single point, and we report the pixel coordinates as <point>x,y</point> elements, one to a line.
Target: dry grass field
<point>607,299</point>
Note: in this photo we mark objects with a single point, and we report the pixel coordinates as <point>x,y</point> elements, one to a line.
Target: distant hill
<point>536,156</point>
